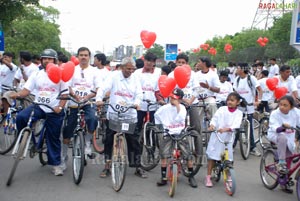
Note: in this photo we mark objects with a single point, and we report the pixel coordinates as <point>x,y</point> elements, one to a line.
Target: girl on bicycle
<point>225,120</point>
<point>281,120</point>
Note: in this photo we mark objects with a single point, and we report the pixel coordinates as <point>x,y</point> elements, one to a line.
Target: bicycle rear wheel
<point>78,157</point>
<point>268,172</point>
<point>263,133</point>
<point>19,155</point>
<point>173,176</point>
<point>8,135</point>
<point>216,171</point>
<point>229,181</point>
<point>298,184</point>
<point>119,162</point>
<point>150,153</point>
<point>244,137</point>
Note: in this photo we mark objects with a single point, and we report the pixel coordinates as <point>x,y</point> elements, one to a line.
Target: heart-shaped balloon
<point>53,72</point>
<point>74,60</point>
<point>166,85</point>
<point>280,91</point>
<point>182,75</point>
<point>148,38</point>
<point>272,83</point>
<point>67,71</point>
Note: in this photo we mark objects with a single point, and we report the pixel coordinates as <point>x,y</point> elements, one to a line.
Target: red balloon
<point>272,83</point>
<point>280,91</point>
<point>74,60</point>
<point>166,85</point>
<point>265,40</point>
<point>148,38</point>
<point>53,72</point>
<point>67,71</point>
<point>182,75</point>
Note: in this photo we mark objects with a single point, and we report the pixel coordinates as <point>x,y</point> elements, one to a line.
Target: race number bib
<point>81,91</point>
<point>125,126</point>
<point>187,94</point>
<point>121,106</point>
<point>44,97</point>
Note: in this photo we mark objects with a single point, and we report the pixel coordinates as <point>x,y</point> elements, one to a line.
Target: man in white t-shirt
<point>267,94</point>
<point>225,89</point>
<point>246,85</point>
<point>46,93</point>
<point>274,68</point>
<point>99,63</point>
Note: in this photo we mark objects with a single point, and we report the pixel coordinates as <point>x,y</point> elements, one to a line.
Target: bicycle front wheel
<point>268,172</point>
<point>263,133</point>
<point>298,185</point>
<point>78,157</point>
<point>244,137</point>
<point>19,155</point>
<point>8,136</point>
<point>173,176</point>
<point>150,152</point>
<point>119,162</point>
<point>43,157</point>
<point>229,181</point>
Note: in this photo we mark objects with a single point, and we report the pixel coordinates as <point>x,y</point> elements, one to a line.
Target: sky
<point>104,25</point>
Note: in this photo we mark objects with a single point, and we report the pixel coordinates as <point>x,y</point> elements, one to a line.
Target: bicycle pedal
<point>91,156</point>
<point>32,152</point>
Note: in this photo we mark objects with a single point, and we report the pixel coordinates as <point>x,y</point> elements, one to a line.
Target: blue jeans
<point>53,125</point>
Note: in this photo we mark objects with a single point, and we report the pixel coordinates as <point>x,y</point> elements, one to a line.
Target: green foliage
<point>158,50</point>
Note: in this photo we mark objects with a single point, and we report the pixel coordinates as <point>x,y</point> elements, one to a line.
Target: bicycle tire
<point>19,156</point>
<point>197,156</point>
<point>173,177</point>
<point>119,162</point>
<point>268,169</point>
<point>298,184</point>
<point>43,157</point>
<point>263,133</point>
<point>244,138</point>
<point>78,157</point>
<point>98,141</point>
<point>255,123</point>
<point>229,181</point>
<point>216,171</point>
<point>8,140</point>
<point>150,154</point>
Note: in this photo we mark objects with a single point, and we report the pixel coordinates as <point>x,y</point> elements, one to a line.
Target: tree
<point>158,50</point>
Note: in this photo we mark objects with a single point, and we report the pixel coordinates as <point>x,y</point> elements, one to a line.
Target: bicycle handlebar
<point>42,104</point>
<point>118,111</point>
<point>177,137</point>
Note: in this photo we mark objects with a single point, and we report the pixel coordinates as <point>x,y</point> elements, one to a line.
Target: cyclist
<point>266,93</point>
<point>225,120</point>
<point>172,117</point>
<point>246,85</point>
<point>125,90</point>
<point>281,119</point>
<point>225,89</point>
<point>46,93</point>
<point>82,86</point>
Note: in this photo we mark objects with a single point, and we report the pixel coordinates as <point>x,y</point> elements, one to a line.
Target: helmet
<point>49,53</point>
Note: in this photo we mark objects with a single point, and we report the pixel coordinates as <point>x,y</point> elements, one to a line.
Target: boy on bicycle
<point>172,117</point>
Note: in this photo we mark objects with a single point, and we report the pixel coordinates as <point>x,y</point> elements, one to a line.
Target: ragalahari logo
<point>277,6</point>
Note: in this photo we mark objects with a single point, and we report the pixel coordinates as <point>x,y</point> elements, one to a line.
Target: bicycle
<point>263,131</point>
<point>100,133</point>
<point>205,122</point>
<point>27,137</point>
<point>150,156</point>
<point>225,167</point>
<point>269,175</point>
<point>78,155</point>
<point>195,144</point>
<point>122,124</point>
<point>175,163</point>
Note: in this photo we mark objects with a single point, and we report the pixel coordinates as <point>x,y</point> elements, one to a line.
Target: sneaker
<point>162,182</point>
<point>57,171</point>
<point>192,182</point>
<point>63,166</point>
<point>88,151</point>
<point>286,189</point>
<point>255,152</point>
<point>140,173</point>
<point>208,182</point>
<point>281,168</point>
<point>105,173</point>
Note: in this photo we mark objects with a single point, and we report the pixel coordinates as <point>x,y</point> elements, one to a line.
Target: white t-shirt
<point>225,89</point>
<point>298,84</point>
<point>213,81</point>
<point>28,70</point>
<point>231,75</point>
<point>167,116</point>
<point>245,91</point>
<point>267,94</point>
<point>46,90</point>
<point>84,81</point>
<point>149,84</point>
<point>124,92</point>
<point>190,88</point>
<point>274,70</point>
<point>290,84</point>
<point>103,74</point>
<point>7,75</point>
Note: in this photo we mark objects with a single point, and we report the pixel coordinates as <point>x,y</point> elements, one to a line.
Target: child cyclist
<point>172,117</point>
<point>281,119</point>
<point>225,120</point>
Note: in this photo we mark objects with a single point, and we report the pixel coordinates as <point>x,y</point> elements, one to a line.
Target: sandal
<point>105,173</point>
<point>140,173</point>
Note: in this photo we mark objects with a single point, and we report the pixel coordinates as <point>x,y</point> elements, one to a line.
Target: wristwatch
<point>59,107</point>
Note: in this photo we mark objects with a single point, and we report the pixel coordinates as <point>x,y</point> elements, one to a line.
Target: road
<point>32,182</point>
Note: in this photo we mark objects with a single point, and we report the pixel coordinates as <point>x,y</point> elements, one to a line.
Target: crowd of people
<point>134,80</point>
